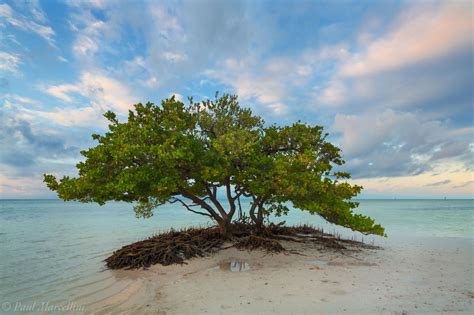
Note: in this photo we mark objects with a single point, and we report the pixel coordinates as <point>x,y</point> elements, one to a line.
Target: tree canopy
<point>186,153</point>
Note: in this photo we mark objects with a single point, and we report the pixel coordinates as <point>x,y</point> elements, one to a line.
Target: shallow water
<point>52,252</point>
<point>319,262</point>
<point>235,265</point>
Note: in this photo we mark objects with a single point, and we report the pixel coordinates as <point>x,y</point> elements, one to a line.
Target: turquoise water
<point>53,251</point>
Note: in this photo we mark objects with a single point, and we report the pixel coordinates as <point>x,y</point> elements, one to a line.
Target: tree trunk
<point>260,218</point>
<point>225,227</point>
<point>257,219</point>
<point>222,218</point>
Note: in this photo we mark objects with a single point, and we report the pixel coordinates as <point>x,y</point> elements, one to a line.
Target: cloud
<point>26,145</point>
<point>194,39</point>
<point>30,186</point>
<point>451,183</point>
<point>398,143</point>
<point>73,117</point>
<point>422,32</point>
<point>97,4</point>
<point>439,89</point>
<point>138,70</point>
<point>32,23</point>
<point>396,91</point>
<point>34,7</point>
<point>440,183</point>
<point>276,82</point>
<point>422,62</point>
<point>62,91</point>
<point>465,184</point>
<point>177,96</point>
<point>168,38</point>
<point>32,147</point>
<point>266,89</point>
<point>22,99</point>
<point>103,92</point>
<point>99,88</point>
<point>174,56</point>
<point>335,93</point>
<point>9,62</point>
<point>88,39</point>
<point>106,92</point>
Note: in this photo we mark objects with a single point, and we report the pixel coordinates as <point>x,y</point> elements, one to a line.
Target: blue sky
<point>390,80</point>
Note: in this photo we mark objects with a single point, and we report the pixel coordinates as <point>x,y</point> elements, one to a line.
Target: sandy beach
<point>406,276</point>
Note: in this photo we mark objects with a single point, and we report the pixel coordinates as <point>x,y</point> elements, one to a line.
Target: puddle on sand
<point>234,266</point>
<point>318,262</point>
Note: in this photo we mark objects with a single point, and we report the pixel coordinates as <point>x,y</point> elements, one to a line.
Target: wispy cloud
<point>63,91</point>
<point>32,23</point>
<point>22,99</point>
<point>440,183</point>
<point>465,184</point>
<point>97,87</point>
<point>101,91</point>
<point>89,32</point>
<point>9,62</point>
<point>71,117</point>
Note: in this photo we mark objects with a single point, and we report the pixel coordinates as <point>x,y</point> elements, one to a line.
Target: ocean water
<point>52,252</point>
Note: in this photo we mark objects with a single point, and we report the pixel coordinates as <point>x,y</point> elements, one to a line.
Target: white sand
<point>416,276</point>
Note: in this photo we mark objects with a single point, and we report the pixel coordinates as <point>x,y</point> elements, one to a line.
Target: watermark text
<point>40,307</point>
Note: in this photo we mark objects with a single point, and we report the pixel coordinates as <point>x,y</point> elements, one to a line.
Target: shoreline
<point>412,276</point>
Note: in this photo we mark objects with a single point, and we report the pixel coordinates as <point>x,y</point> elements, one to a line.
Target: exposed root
<point>280,229</point>
<point>257,242</point>
<point>174,247</point>
<point>169,248</point>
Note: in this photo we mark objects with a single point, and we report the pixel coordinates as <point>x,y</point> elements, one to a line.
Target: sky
<point>391,81</point>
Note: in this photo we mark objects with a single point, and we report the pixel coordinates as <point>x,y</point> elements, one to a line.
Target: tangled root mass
<point>174,247</point>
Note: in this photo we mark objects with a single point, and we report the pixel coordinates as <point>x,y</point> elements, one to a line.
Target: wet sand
<point>407,276</point>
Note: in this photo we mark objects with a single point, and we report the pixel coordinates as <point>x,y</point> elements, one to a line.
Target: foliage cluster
<point>177,153</point>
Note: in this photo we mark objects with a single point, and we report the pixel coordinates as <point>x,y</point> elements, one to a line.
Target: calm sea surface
<point>51,251</point>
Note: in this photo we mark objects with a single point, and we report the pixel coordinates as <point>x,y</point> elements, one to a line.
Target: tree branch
<point>240,207</point>
<point>202,203</point>
<point>216,203</point>
<point>239,191</point>
<point>188,207</point>
<point>230,198</point>
<point>252,209</point>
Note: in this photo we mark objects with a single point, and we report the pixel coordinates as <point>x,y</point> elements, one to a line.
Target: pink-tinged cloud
<point>421,33</point>
<point>399,143</point>
<point>103,92</point>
